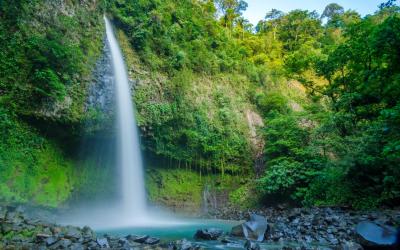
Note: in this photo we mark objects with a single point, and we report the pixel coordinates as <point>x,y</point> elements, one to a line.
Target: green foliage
<point>272,101</point>
<point>185,188</point>
<point>291,163</point>
<point>340,135</point>
<point>358,140</point>
<point>46,56</point>
<point>184,130</point>
<point>337,146</point>
<point>175,187</point>
<point>245,196</point>
<point>48,84</point>
<point>298,27</point>
<point>31,168</point>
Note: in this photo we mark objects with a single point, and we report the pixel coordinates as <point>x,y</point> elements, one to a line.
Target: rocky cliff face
<point>99,105</point>
<point>101,89</point>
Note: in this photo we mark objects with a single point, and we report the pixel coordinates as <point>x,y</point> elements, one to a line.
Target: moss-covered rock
<point>187,189</point>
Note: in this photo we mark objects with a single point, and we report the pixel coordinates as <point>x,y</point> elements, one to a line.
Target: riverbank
<point>297,228</point>
<point>329,226</point>
<point>18,230</point>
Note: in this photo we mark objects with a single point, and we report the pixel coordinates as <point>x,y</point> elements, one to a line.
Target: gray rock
<point>50,240</point>
<point>103,242</point>
<point>42,237</point>
<point>123,241</point>
<point>254,229</point>
<point>249,245</point>
<point>151,241</point>
<point>228,240</point>
<point>77,246</point>
<point>208,234</point>
<point>63,244</point>
<point>183,244</point>
<point>370,234</point>
<point>237,231</point>
<point>91,244</point>
<point>138,239</point>
<point>349,245</point>
<point>72,233</point>
<point>87,232</point>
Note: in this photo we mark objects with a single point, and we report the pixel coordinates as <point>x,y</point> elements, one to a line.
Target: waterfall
<point>131,209</point>
<point>130,163</point>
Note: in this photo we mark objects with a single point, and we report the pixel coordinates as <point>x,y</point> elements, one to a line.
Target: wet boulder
<point>249,245</point>
<point>88,233</point>
<point>369,234</point>
<point>151,241</point>
<point>42,237</point>
<point>208,234</point>
<point>231,242</point>
<point>138,239</point>
<point>254,229</point>
<point>237,231</point>
<point>102,242</point>
<point>50,240</point>
<point>61,244</point>
<point>350,245</point>
<point>184,244</point>
<point>72,233</point>
<point>77,246</point>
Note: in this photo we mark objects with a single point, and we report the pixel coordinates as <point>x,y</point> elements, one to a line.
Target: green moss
<point>245,196</point>
<point>32,168</point>
<point>181,187</point>
<point>175,187</point>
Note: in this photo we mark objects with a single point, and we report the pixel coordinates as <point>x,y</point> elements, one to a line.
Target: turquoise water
<point>187,230</point>
<point>172,232</point>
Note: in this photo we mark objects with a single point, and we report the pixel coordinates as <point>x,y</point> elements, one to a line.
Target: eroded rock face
<point>101,90</point>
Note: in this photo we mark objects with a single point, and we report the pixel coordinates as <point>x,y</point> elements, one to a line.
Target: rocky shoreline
<point>18,231</point>
<point>335,227</point>
<point>297,228</point>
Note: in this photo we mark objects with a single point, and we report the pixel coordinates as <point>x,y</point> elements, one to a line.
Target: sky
<point>258,8</point>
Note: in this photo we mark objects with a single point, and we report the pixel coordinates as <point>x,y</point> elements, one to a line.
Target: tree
<point>231,9</point>
<point>388,4</point>
<point>244,26</point>
<point>274,14</point>
<point>298,27</point>
<point>333,12</point>
<point>273,17</point>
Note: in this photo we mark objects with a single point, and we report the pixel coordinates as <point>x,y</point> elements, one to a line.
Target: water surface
<point>179,230</point>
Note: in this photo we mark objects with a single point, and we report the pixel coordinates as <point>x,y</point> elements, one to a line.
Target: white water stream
<point>130,161</point>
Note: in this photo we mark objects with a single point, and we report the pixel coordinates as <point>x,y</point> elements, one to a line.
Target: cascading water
<point>131,209</point>
<point>129,158</point>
